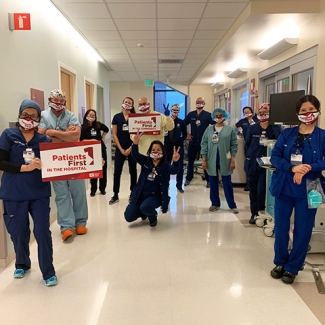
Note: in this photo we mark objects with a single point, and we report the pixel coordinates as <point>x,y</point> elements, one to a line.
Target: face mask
<point>156,155</point>
<point>263,117</point>
<point>90,119</point>
<point>175,113</point>
<point>200,105</point>
<point>219,120</point>
<point>248,115</point>
<point>28,124</point>
<point>144,108</point>
<point>57,107</point>
<point>127,106</point>
<point>308,118</point>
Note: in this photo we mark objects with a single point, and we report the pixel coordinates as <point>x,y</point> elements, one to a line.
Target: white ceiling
<point>188,30</point>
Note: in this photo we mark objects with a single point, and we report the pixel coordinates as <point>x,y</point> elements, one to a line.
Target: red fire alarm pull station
<point>19,21</point>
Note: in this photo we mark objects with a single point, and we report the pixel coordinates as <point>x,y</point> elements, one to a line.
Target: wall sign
<point>19,21</point>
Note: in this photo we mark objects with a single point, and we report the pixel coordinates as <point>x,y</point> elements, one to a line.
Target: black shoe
<point>153,224</point>
<point>180,190</point>
<point>252,220</point>
<point>277,272</point>
<point>143,217</point>
<point>92,194</point>
<point>113,200</point>
<point>103,192</point>
<point>208,185</point>
<point>246,188</point>
<point>187,183</point>
<point>288,277</point>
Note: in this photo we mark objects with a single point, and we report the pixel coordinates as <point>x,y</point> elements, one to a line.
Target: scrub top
<point>122,130</point>
<point>22,186</point>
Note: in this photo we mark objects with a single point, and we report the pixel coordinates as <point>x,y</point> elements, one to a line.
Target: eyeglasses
<point>34,117</point>
<point>57,100</point>
<point>143,104</point>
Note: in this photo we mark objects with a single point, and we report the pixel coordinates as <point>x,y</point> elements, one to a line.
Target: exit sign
<point>149,82</point>
<point>19,21</point>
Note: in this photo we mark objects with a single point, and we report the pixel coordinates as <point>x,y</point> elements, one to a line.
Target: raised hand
<point>137,137</point>
<point>176,154</point>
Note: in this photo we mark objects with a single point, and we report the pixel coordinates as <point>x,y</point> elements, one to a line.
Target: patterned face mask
<point>156,155</point>
<point>308,118</point>
<point>263,117</point>
<point>28,124</point>
<point>248,115</point>
<point>144,108</point>
<point>57,107</point>
<point>127,106</point>
<point>219,120</point>
<point>90,119</point>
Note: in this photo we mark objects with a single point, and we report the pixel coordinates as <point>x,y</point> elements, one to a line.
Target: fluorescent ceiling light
<point>217,84</point>
<point>236,73</point>
<point>276,49</point>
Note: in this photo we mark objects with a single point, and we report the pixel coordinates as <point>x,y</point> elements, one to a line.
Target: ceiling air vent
<point>170,61</point>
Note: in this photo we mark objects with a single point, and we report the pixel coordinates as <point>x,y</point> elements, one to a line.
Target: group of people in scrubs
<point>298,156</point>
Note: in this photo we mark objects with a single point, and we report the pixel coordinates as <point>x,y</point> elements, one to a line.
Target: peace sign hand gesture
<point>137,137</point>
<point>176,154</point>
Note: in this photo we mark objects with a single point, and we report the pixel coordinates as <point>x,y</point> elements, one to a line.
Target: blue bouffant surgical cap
<point>222,111</point>
<point>28,103</point>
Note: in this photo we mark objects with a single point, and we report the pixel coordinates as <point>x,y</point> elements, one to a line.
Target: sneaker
<point>66,234</point>
<point>52,281</point>
<point>180,190</point>
<point>187,182</point>
<point>234,211</point>
<point>81,230</point>
<point>252,220</point>
<point>277,272</point>
<point>213,208</point>
<point>288,277</point>
<point>208,185</point>
<point>113,200</point>
<point>19,273</point>
<point>103,192</point>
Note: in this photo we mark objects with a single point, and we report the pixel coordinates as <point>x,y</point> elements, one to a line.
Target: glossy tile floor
<point>195,268</point>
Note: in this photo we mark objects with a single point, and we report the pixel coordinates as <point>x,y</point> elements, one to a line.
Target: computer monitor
<point>283,107</point>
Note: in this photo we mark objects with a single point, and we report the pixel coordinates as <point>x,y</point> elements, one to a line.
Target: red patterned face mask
<point>308,118</point>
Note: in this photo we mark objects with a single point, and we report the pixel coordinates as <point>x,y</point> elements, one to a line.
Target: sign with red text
<point>19,21</point>
<point>148,123</point>
<point>71,160</point>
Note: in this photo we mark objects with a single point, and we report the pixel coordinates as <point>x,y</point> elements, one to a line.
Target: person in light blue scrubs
<point>298,156</point>
<point>61,125</point>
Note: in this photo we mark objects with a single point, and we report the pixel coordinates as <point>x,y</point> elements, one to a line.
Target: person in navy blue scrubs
<point>255,146</point>
<point>298,156</point>
<point>24,193</point>
<point>242,125</point>
<point>151,190</point>
<point>122,139</point>
<point>199,121</point>
<point>91,129</point>
<point>175,138</point>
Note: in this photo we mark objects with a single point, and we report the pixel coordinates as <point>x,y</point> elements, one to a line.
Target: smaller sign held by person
<point>147,123</point>
<point>71,160</point>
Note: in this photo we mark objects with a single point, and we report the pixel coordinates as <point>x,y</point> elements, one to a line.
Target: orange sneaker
<point>66,234</point>
<point>81,230</point>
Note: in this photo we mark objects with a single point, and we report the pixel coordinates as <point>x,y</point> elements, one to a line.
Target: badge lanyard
<point>152,175</point>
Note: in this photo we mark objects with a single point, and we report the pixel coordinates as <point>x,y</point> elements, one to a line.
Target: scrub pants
<point>257,191</point>
<point>103,180</point>
<point>146,207</point>
<point>71,202</point>
<point>169,151</point>
<point>17,222</point>
<point>228,190</point>
<point>192,152</point>
<point>304,220</point>
<point>118,167</point>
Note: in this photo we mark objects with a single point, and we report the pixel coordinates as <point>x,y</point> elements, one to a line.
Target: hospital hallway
<point>195,268</point>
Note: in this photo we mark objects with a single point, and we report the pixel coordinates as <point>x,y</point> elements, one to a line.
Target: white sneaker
<point>234,211</point>
<point>213,208</point>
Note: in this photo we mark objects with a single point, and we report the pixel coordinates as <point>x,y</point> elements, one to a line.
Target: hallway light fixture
<point>217,84</point>
<point>278,48</point>
<point>236,73</point>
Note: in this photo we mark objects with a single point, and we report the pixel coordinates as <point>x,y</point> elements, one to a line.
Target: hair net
<point>220,111</point>
<point>28,103</point>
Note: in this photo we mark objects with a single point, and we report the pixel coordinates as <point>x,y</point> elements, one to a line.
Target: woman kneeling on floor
<point>151,190</point>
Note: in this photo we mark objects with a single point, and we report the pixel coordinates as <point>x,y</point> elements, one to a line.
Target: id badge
<point>151,177</point>
<point>28,156</point>
<point>296,160</point>
<point>215,138</point>
<point>198,122</point>
<point>263,140</point>
<point>93,132</point>
<point>125,127</point>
